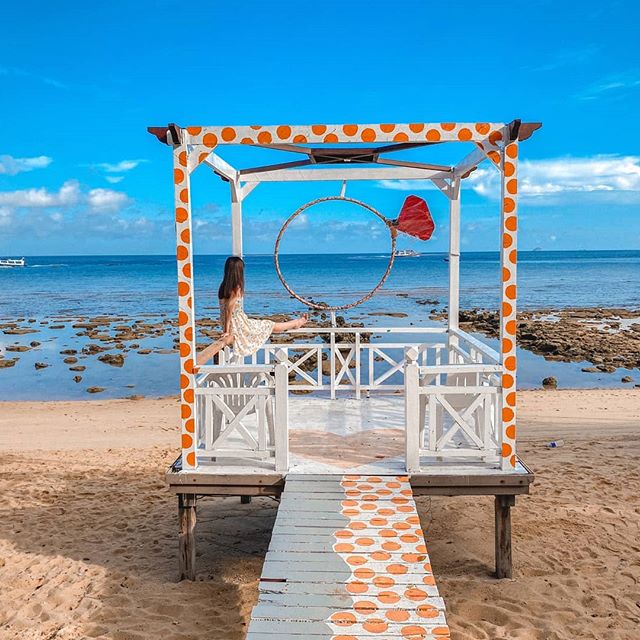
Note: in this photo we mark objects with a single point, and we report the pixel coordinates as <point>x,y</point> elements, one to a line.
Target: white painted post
<point>236,219</point>
<point>357,355</point>
<point>186,316</point>
<point>281,374</point>
<point>508,320</point>
<point>332,355</point>
<point>412,411</point>
<point>454,262</point>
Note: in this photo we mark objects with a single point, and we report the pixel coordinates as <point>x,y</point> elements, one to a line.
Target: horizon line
<point>343,253</point>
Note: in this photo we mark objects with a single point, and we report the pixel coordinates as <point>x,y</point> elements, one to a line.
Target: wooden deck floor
<point>347,560</point>
<point>343,436</point>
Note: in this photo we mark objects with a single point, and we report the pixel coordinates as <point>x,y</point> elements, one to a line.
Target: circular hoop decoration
<point>314,305</point>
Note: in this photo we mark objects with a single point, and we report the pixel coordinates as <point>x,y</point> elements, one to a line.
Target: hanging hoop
<point>313,305</point>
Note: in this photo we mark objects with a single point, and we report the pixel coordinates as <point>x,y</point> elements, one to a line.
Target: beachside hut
<point>452,395</point>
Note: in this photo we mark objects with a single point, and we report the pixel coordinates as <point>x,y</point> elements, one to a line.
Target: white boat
<point>407,253</point>
<point>12,262</point>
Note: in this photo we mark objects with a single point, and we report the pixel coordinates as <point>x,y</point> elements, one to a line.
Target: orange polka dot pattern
<point>340,133</point>
<point>509,161</point>
<point>392,584</point>
<point>186,325</point>
<point>490,146</point>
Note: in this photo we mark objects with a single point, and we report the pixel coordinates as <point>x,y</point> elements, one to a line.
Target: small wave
<point>44,266</point>
<point>369,257</point>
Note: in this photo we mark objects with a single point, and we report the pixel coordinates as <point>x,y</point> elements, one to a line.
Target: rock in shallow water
<point>114,359</point>
<point>95,389</point>
<point>550,382</point>
<point>40,365</point>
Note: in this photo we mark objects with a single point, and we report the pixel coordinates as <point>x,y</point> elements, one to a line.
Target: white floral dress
<point>249,334</point>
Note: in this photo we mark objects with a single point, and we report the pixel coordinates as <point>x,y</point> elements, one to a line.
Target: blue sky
<point>82,81</point>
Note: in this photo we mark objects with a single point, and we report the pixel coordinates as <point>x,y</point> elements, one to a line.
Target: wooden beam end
<point>527,129</point>
<point>162,133</point>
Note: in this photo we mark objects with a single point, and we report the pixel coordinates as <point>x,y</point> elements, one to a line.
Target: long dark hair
<point>233,279</point>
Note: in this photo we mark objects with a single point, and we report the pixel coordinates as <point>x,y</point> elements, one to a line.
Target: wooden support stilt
<point>187,536</point>
<point>503,504</point>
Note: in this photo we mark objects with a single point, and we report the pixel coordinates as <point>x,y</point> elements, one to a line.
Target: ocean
<point>84,286</point>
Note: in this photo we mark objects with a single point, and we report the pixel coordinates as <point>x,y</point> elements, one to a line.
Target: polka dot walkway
<point>348,560</point>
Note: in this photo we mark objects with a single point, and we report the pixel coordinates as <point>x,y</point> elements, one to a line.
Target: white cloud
<point>106,199</point>
<point>611,86</point>
<point>538,178</point>
<point>407,185</point>
<point>6,217</point>
<point>68,194</point>
<point>11,166</point>
<point>118,167</point>
<point>110,168</point>
<point>300,222</point>
<point>22,73</point>
<point>616,175</point>
<point>566,58</point>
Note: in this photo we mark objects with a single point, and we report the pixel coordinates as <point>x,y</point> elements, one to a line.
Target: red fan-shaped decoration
<point>415,218</point>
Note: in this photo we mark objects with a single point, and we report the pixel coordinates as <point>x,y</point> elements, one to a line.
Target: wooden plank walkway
<point>347,561</point>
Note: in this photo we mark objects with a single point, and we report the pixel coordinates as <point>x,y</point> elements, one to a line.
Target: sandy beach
<point>88,544</point>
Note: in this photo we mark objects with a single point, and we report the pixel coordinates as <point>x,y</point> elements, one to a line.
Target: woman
<point>246,334</point>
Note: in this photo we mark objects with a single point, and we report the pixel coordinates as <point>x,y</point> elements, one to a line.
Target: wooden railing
<point>350,361</point>
<point>451,384</point>
<point>452,410</point>
<point>242,412</point>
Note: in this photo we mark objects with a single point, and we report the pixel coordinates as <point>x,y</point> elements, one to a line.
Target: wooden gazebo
<point>458,403</point>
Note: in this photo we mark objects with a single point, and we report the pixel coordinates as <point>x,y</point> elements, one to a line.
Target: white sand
<point>88,535</point>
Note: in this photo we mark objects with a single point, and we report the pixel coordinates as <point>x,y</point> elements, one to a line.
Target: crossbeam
<point>469,163</point>
<point>221,167</point>
<point>350,173</point>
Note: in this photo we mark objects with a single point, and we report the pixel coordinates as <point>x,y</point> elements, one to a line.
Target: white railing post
<point>412,413</point>
<point>453,314</point>
<point>332,355</point>
<point>357,355</point>
<point>281,374</point>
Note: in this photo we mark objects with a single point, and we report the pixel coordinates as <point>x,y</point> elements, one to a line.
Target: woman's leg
<point>210,351</point>
<point>280,327</point>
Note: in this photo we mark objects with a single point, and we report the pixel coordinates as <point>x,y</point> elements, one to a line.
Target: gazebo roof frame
<point>498,142</point>
<point>485,135</point>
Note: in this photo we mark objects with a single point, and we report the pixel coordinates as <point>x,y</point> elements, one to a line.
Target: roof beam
<point>276,167</point>
<point>283,146</point>
<point>469,163</point>
<point>221,167</point>
<point>416,165</point>
<point>340,174</point>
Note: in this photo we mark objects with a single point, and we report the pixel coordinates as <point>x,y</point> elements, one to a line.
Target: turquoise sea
<point>130,286</point>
